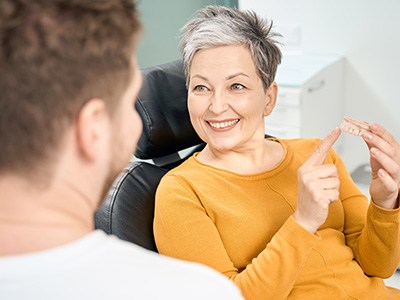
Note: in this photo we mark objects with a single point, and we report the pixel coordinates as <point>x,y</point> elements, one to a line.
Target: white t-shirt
<point>103,267</point>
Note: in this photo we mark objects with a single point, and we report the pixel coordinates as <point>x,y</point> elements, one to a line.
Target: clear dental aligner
<point>353,126</point>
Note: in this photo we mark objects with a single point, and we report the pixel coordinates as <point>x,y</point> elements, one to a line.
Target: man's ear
<point>270,100</point>
<point>91,128</point>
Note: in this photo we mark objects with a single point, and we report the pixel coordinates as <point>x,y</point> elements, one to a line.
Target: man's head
<point>55,57</point>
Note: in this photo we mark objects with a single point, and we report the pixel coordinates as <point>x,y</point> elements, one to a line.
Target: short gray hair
<point>216,26</point>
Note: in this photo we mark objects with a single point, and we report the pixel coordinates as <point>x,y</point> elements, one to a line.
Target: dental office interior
<point>340,58</point>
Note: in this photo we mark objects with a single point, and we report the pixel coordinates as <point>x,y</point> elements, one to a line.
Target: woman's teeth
<point>223,124</point>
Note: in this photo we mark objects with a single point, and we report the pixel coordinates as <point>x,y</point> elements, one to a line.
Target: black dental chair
<point>128,210</point>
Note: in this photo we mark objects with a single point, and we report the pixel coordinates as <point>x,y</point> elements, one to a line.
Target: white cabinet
<point>310,96</point>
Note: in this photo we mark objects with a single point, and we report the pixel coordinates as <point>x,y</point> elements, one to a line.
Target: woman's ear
<point>270,100</point>
<point>91,128</point>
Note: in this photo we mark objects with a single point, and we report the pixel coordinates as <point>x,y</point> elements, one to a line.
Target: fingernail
<point>381,173</point>
<point>367,136</point>
<point>373,128</point>
<point>374,151</point>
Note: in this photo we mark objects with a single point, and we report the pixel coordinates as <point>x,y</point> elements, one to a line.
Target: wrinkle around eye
<point>238,87</point>
<point>200,88</point>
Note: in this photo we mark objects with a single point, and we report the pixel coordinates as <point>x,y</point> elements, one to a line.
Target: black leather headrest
<point>128,209</point>
<point>162,105</point>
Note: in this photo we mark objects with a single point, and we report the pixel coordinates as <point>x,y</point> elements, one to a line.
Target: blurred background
<point>162,21</point>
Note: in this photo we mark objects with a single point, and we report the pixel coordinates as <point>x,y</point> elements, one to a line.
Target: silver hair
<point>216,26</point>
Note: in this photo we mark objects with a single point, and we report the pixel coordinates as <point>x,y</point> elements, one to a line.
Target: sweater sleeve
<point>372,232</point>
<point>183,230</point>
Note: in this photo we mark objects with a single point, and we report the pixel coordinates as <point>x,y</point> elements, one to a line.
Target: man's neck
<point>35,219</point>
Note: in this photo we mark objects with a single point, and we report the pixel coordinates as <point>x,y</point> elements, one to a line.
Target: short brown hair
<point>54,56</point>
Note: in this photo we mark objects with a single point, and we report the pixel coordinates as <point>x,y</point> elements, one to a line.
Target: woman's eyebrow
<point>199,76</point>
<point>236,75</point>
<point>226,78</point>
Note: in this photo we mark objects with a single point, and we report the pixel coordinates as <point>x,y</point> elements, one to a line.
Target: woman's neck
<point>251,160</point>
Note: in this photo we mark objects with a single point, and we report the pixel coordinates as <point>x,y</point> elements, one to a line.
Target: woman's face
<point>226,98</point>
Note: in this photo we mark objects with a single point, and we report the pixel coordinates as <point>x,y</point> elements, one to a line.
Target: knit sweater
<point>242,226</point>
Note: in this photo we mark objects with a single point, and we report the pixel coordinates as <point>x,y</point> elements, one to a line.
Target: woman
<point>281,218</point>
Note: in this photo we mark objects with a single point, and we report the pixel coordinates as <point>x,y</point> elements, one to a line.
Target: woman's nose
<point>218,103</point>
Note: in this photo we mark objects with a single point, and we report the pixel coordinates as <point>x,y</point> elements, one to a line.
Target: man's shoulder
<point>102,266</point>
<point>168,276</point>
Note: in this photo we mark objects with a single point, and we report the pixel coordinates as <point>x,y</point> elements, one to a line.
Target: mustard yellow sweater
<point>242,226</point>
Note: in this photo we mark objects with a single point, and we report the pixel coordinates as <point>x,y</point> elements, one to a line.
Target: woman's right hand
<point>318,186</point>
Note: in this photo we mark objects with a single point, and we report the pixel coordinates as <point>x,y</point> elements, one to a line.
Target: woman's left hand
<point>385,165</point>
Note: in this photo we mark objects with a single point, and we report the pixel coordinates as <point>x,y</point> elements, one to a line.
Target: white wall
<point>367,33</point>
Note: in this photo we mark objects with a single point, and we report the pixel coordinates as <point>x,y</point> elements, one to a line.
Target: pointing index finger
<point>320,152</point>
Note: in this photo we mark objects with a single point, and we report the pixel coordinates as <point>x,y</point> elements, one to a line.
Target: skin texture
<point>227,104</point>
<point>385,165</point>
<point>318,186</point>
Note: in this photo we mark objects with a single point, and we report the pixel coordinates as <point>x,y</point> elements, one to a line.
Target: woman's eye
<point>237,87</point>
<point>200,88</point>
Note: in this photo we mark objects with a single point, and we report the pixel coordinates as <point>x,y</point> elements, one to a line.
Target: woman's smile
<point>227,101</point>
<point>223,125</point>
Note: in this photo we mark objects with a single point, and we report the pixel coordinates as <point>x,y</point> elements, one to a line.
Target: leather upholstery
<point>162,104</point>
<point>128,209</point>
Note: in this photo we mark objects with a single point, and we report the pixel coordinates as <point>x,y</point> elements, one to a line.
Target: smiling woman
<point>227,100</point>
<point>281,218</point>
